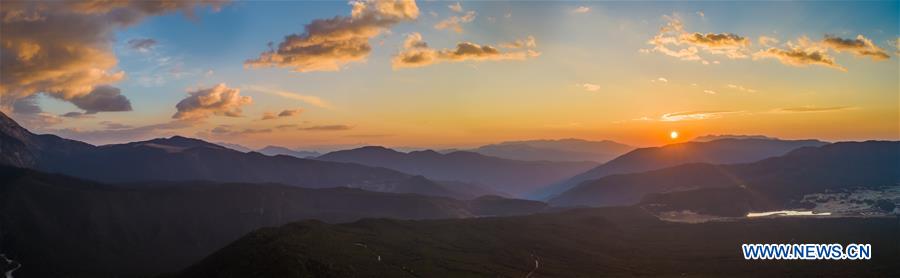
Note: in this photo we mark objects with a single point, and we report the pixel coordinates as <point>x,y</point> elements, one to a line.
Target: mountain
<point>19,147</point>
<point>58,226</point>
<point>276,150</point>
<point>236,147</point>
<point>770,183</point>
<point>714,137</point>
<point>607,242</point>
<point>505,175</point>
<point>556,150</point>
<point>723,151</point>
<point>186,159</point>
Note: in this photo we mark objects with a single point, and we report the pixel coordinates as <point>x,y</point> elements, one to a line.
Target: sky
<point>445,74</point>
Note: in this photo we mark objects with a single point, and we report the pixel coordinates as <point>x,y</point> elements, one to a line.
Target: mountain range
<point>505,175</point>
<point>276,150</point>
<point>186,159</point>
<point>722,151</point>
<point>556,150</point>
<point>769,183</point>
<point>59,226</point>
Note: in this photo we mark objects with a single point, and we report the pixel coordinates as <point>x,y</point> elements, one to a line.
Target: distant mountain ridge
<point>722,151</point>
<point>276,150</point>
<point>186,159</point>
<point>556,150</point>
<point>714,137</point>
<point>769,183</point>
<point>505,175</point>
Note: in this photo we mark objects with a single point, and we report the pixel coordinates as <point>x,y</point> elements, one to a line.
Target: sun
<point>673,135</point>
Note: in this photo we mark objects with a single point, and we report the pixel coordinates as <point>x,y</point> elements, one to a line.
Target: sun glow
<point>673,135</point>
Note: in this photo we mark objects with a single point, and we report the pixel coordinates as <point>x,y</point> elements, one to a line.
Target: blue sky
<point>473,102</point>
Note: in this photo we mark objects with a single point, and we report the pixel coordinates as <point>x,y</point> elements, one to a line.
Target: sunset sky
<point>323,75</point>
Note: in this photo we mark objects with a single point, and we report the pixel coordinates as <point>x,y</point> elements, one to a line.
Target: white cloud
<point>312,100</point>
<point>590,87</point>
<point>581,10</point>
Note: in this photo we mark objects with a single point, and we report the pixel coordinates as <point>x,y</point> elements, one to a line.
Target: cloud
<point>103,99</point>
<point>229,130</point>
<point>805,52</point>
<point>417,53</point>
<point>701,14</point>
<point>269,116</point>
<point>454,23</point>
<point>673,40</point>
<point>767,41</point>
<point>217,100</point>
<point>799,57</point>
<point>326,128</point>
<point>329,44</point>
<point>312,100</point>
<point>290,112</point>
<point>590,87</point>
<point>114,125</point>
<point>741,88</point>
<point>27,105</point>
<point>694,115</point>
<point>662,80</point>
<point>581,10</point>
<point>528,42</point>
<point>896,44</point>
<point>141,45</point>
<point>711,92</point>
<point>456,7</point>
<point>368,135</point>
<point>283,113</point>
<point>77,115</point>
<point>64,48</point>
<point>861,46</point>
<point>807,109</point>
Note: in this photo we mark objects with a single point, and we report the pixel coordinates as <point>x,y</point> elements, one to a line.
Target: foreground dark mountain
<point>185,159</point>
<point>58,226</point>
<point>276,150</point>
<point>723,151</point>
<point>767,184</point>
<point>510,176</point>
<point>609,242</point>
<point>556,150</point>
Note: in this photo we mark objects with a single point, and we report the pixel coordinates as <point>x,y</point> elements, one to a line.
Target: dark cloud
<point>218,100</point>
<point>142,45</point>
<point>63,48</point>
<point>27,105</point>
<point>77,115</point>
<point>328,44</point>
<point>861,46</point>
<point>416,53</point>
<point>103,99</point>
<point>799,57</point>
<point>290,112</point>
<point>283,113</point>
